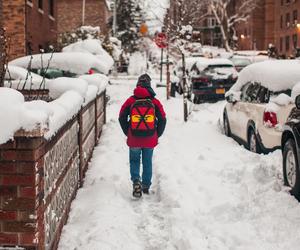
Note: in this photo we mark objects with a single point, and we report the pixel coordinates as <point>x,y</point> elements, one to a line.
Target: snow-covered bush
<point>137,64</point>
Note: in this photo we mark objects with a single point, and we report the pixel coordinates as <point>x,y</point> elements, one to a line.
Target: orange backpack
<point>142,118</point>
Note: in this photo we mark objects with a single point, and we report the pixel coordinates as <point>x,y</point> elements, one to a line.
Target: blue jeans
<point>135,159</point>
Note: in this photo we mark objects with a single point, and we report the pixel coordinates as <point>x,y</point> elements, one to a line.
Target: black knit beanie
<point>144,81</point>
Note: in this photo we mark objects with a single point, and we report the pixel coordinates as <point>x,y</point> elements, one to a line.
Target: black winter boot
<point>137,189</point>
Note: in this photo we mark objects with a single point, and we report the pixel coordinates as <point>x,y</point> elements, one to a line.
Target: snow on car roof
<point>203,63</point>
<point>92,46</point>
<point>75,62</point>
<point>276,75</point>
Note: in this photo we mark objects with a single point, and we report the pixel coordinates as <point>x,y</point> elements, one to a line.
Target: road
<point>208,192</point>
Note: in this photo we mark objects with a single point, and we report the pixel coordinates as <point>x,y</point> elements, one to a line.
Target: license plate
<point>220,91</point>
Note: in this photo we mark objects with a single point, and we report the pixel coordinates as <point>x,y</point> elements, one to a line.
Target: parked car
<point>240,62</point>
<point>259,104</point>
<point>211,78</point>
<point>67,64</point>
<point>20,78</point>
<point>290,143</point>
<point>176,77</point>
<point>254,55</point>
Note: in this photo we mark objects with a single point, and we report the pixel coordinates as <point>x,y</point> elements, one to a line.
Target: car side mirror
<point>297,102</point>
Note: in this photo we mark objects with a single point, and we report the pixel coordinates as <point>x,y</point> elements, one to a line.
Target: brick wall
<point>27,26</point>
<point>39,179</point>
<point>285,31</point>
<point>41,26</point>
<point>251,34</point>
<point>70,14</point>
<point>14,21</point>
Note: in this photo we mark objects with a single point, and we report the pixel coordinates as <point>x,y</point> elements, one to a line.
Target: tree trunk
<point>185,91</point>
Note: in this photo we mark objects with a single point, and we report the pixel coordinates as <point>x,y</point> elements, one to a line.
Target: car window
<point>244,91</point>
<point>263,95</point>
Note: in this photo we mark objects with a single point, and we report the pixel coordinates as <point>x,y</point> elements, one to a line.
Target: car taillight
<point>91,71</point>
<point>270,119</point>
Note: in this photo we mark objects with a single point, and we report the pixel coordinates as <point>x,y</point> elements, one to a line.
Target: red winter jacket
<point>142,142</point>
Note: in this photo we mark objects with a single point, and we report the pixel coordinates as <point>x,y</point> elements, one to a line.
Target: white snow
<point>91,46</point>
<point>16,114</point>
<point>276,75</point>
<point>282,99</point>
<point>74,62</point>
<point>209,192</point>
<point>64,108</point>
<point>18,78</point>
<point>137,64</point>
<point>62,84</point>
<point>295,91</point>
<point>98,80</point>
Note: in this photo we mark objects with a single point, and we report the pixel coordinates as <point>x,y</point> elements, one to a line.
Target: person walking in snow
<point>143,120</point>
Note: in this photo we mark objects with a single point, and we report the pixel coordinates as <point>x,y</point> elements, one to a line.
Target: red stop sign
<point>161,40</point>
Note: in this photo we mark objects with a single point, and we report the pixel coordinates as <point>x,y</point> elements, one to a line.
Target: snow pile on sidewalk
<point>209,192</point>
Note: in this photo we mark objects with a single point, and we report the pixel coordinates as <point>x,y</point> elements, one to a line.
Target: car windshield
<point>53,73</point>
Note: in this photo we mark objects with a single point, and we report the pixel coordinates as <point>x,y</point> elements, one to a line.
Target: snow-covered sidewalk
<point>209,192</point>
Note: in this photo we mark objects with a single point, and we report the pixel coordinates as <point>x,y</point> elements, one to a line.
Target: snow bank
<point>91,46</point>
<point>74,62</point>
<point>276,75</point>
<point>63,109</point>
<point>62,84</point>
<point>98,80</point>
<point>20,78</point>
<point>137,64</point>
<point>17,114</point>
<point>70,95</point>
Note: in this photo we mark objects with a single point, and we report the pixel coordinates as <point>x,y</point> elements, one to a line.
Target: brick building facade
<point>287,26</point>
<point>252,33</point>
<point>71,14</point>
<point>30,25</point>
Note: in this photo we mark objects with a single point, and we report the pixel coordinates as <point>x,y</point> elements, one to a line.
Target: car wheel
<point>291,168</point>
<point>226,125</point>
<point>253,145</point>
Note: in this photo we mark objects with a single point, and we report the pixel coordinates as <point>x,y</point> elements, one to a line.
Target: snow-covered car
<point>94,47</point>
<point>290,144</point>
<point>253,55</point>
<point>260,102</point>
<point>67,64</point>
<point>176,77</point>
<point>20,78</point>
<point>240,62</point>
<point>211,78</point>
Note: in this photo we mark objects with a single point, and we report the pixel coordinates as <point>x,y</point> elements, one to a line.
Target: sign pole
<point>161,63</point>
<point>168,74</point>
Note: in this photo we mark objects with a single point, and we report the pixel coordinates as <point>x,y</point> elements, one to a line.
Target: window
<point>281,21</point>
<point>295,16</point>
<point>281,44</point>
<point>40,4</point>
<point>295,40</point>
<point>281,2</point>
<point>287,43</point>
<point>287,20</point>
<point>51,8</point>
